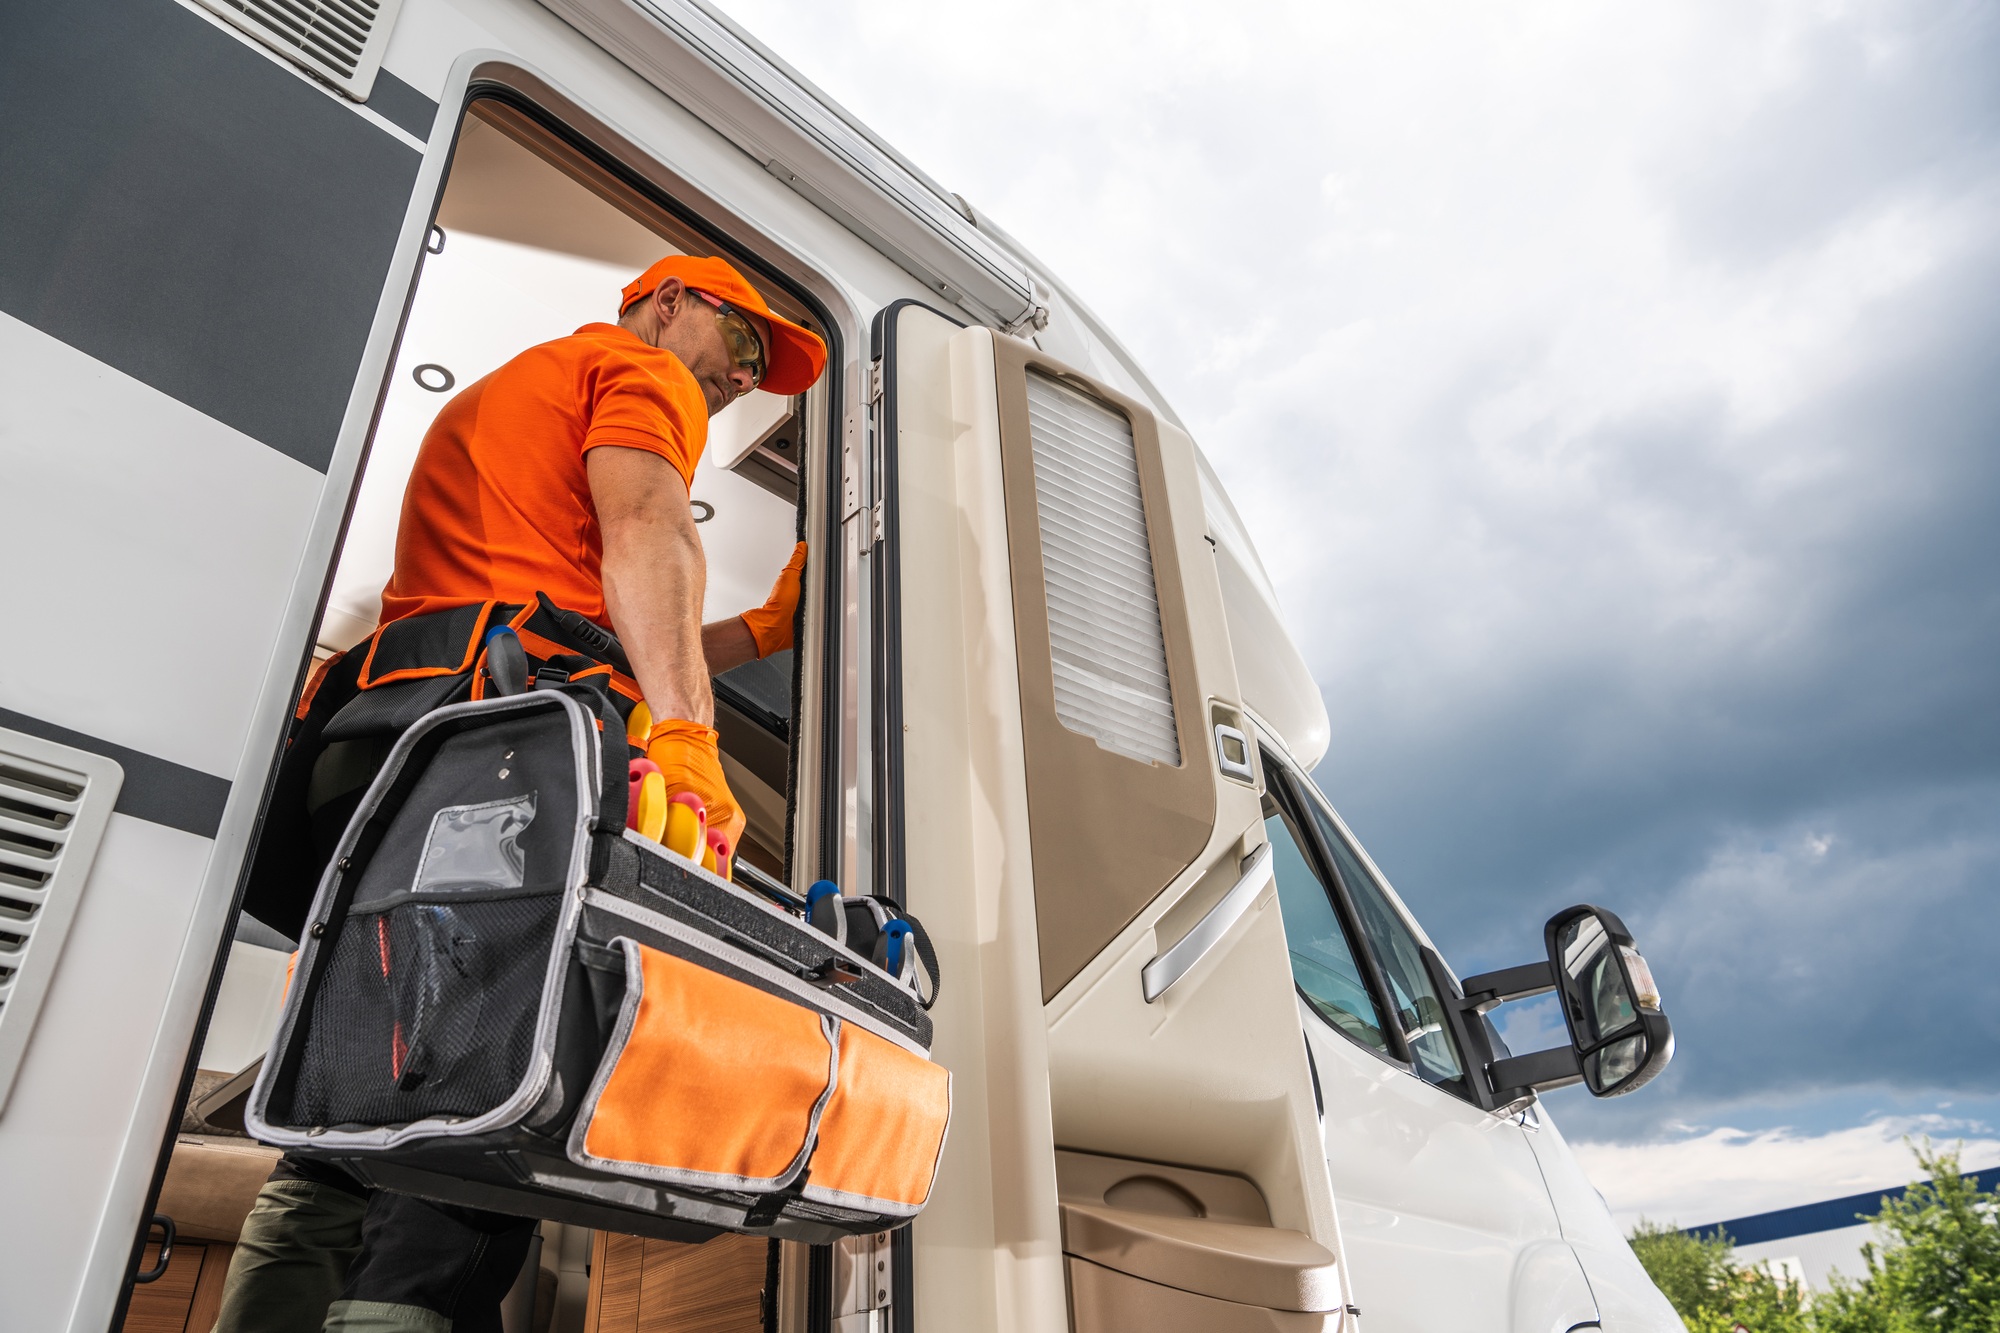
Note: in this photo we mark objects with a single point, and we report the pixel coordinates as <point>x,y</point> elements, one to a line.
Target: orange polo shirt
<point>499,506</point>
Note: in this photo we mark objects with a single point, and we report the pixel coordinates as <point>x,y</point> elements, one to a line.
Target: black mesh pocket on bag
<point>426,1009</point>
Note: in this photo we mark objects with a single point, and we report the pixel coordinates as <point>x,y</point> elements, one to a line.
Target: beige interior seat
<point>211,1182</point>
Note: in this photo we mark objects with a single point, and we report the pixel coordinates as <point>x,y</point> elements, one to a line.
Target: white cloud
<point>1712,1175</point>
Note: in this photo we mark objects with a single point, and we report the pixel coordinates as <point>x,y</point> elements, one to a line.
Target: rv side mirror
<point>1619,1035</point>
<point>1616,1025</point>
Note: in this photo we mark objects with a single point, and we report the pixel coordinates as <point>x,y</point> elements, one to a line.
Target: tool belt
<point>505,1000</point>
<point>360,701</point>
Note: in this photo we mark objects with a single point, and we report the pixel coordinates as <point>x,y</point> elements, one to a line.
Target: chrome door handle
<point>1177,962</point>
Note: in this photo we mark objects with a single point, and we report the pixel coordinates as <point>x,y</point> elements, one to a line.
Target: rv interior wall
<point>532,241</point>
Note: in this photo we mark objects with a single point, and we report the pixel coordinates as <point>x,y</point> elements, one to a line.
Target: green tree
<point>1935,1270</point>
<point>1692,1272</point>
<point>1939,1268</point>
<point>1713,1293</point>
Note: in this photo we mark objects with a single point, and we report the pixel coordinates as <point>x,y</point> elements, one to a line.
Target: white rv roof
<point>702,60</point>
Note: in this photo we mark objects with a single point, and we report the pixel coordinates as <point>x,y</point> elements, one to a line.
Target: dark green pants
<point>320,1253</point>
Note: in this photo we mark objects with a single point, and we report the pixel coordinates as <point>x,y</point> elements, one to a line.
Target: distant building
<point>1813,1240</point>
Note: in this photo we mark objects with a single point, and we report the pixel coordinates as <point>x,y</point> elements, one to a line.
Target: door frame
<point>511,79</point>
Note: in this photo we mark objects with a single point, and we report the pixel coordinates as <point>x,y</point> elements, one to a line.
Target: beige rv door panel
<point>988,1249</point>
<point>1096,658</point>
<point>1065,822</point>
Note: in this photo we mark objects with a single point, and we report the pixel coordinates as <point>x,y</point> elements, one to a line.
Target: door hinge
<point>861,1283</point>
<point>875,382</point>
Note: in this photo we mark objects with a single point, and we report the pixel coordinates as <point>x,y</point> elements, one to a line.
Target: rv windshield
<point>1418,1007</point>
<point>1323,963</point>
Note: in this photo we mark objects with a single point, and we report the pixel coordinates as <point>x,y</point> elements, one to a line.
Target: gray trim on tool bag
<point>814,997</point>
<point>157,790</point>
<point>195,215</point>
<point>584,750</point>
<point>771,909</point>
<point>607,1066</point>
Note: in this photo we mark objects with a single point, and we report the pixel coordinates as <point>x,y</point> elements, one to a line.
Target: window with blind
<point>1109,658</point>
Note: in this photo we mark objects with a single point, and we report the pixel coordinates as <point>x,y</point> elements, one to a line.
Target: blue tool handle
<point>894,937</point>
<point>833,921</point>
<point>506,661</point>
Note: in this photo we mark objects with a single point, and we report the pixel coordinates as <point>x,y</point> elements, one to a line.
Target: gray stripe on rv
<point>401,105</point>
<point>157,790</point>
<point>185,210</point>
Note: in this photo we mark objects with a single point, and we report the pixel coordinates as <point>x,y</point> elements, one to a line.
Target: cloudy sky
<point>1615,390</point>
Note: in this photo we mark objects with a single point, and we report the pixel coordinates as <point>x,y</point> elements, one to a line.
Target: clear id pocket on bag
<point>476,847</point>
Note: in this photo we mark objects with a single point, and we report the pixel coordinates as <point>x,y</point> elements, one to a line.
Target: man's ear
<point>668,298</point>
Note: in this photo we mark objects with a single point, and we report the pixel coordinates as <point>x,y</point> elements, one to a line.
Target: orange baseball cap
<point>795,357</point>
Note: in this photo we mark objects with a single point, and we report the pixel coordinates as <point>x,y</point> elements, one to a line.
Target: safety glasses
<point>746,349</point>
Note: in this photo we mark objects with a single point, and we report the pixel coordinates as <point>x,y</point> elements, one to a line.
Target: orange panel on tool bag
<point>715,1078</point>
<point>883,1129</point>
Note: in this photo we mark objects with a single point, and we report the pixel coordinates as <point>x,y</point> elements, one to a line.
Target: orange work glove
<point>689,761</point>
<point>771,624</point>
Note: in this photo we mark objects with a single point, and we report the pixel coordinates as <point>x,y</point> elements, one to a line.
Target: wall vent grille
<point>1110,659</point>
<point>54,802</point>
<point>341,41</point>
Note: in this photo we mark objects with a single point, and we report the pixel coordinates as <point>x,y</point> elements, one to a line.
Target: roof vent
<point>54,802</point>
<point>339,41</point>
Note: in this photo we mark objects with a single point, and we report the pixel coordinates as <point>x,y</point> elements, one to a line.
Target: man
<point>565,473</point>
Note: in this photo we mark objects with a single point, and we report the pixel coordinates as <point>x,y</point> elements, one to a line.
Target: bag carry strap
<point>611,749</point>
<point>576,630</point>
<point>927,952</point>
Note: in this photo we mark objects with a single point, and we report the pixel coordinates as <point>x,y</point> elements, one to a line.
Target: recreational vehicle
<point>1207,1072</point>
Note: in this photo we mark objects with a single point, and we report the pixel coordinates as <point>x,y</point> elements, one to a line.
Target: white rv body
<point>209,315</point>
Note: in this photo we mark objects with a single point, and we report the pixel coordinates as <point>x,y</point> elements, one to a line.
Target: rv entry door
<point>1069,801</point>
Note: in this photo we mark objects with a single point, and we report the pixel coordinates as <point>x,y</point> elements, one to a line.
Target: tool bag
<point>505,1000</point>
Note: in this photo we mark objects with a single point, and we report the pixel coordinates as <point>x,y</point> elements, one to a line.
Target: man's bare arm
<point>727,643</point>
<point>654,578</point>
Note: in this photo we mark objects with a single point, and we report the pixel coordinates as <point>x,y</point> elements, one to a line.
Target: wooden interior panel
<point>188,1296</point>
<point>616,1263</point>
<point>206,1306</point>
<point>712,1288</point>
<point>656,1286</point>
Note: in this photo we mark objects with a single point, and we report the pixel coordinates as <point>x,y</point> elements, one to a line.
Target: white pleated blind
<point>1104,612</point>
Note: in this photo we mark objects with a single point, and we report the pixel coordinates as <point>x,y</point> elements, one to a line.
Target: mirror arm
<point>1539,1071</point>
<point>1491,989</point>
<point>1467,1032</point>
